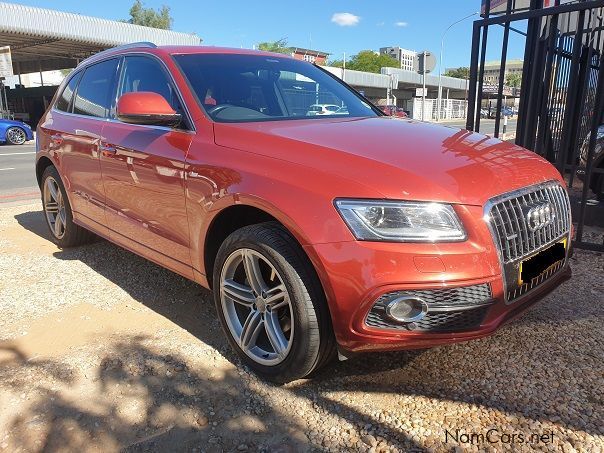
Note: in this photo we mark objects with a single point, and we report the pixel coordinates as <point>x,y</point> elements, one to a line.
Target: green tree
<point>279,46</point>
<point>148,17</point>
<point>458,73</point>
<point>513,79</point>
<point>368,61</point>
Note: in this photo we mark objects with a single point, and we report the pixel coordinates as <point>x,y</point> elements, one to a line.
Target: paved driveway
<point>17,174</point>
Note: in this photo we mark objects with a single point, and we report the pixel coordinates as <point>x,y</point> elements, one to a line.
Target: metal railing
<point>450,109</point>
<point>562,94</point>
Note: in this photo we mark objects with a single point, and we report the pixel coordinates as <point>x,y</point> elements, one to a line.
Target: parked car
<point>508,111</point>
<point>505,111</point>
<point>323,109</point>
<point>14,132</point>
<point>596,183</point>
<point>393,110</point>
<point>317,235</point>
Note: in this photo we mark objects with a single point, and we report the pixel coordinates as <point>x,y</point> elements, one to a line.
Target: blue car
<point>14,132</point>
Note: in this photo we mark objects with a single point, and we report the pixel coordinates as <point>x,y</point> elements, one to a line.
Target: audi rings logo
<point>539,215</point>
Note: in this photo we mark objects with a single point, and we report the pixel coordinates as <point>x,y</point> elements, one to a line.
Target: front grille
<point>449,309</point>
<point>509,224</point>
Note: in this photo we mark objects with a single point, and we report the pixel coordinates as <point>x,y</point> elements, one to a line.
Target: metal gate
<point>561,111</point>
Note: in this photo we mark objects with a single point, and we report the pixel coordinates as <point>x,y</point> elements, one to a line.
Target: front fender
<point>299,197</point>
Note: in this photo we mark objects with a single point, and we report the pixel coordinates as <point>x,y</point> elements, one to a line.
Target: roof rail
<point>131,45</point>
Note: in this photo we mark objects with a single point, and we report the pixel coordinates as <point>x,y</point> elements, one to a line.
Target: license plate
<point>540,263</point>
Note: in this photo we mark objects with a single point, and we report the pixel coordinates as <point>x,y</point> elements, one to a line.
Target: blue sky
<point>361,24</point>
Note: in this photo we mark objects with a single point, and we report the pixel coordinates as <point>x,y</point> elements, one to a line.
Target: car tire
<point>304,341</point>
<point>57,212</point>
<point>15,136</point>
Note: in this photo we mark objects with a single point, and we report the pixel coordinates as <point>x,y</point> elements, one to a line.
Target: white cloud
<point>400,24</point>
<point>345,19</point>
<point>381,24</point>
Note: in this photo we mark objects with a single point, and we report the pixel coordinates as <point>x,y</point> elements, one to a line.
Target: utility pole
<point>424,54</point>
<point>424,63</point>
<point>440,66</point>
<point>1,101</point>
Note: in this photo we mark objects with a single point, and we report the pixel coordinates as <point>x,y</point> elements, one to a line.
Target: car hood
<point>399,159</point>
<point>12,122</point>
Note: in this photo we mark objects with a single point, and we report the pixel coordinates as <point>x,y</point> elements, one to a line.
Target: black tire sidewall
<point>70,227</point>
<point>304,353</point>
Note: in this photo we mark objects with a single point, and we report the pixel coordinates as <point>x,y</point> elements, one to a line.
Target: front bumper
<point>368,339</point>
<point>356,274</point>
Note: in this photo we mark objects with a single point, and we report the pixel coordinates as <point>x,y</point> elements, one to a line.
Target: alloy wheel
<point>54,207</point>
<point>16,135</point>
<point>257,306</point>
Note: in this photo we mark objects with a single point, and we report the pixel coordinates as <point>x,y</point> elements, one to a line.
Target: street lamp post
<point>440,65</point>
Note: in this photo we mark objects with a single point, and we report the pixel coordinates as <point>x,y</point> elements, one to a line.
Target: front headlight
<point>401,221</point>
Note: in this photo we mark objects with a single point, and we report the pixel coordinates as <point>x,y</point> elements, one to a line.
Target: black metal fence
<point>561,110</point>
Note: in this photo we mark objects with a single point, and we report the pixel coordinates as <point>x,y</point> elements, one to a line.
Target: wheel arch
<point>249,212</point>
<point>42,164</point>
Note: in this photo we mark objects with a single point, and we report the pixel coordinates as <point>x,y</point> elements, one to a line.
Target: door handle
<point>108,150</point>
<point>56,139</point>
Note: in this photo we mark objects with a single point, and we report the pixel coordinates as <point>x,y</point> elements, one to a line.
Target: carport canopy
<point>44,39</point>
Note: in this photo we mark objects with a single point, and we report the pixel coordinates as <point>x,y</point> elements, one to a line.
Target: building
<point>491,70</point>
<point>312,56</point>
<point>43,42</point>
<point>405,57</point>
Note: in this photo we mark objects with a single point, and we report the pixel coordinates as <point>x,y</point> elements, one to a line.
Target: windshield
<point>238,88</point>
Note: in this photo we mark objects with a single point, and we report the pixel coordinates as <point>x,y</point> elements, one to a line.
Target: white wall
<point>33,79</point>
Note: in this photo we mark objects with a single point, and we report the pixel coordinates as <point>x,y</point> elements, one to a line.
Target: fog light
<point>406,309</point>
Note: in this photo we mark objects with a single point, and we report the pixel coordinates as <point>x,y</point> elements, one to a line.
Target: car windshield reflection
<point>239,88</point>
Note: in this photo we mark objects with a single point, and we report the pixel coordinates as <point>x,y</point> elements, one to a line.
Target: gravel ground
<point>101,350</point>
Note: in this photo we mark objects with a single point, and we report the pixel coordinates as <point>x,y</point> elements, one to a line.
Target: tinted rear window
<point>93,96</point>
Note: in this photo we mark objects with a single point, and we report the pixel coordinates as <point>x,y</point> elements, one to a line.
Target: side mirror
<point>145,107</point>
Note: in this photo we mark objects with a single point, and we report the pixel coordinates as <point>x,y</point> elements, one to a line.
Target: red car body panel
<point>411,160</point>
<point>145,187</point>
<point>74,142</point>
<point>157,192</point>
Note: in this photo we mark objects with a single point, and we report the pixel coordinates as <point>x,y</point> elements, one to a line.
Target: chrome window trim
<point>121,56</point>
<point>510,196</point>
<point>116,121</point>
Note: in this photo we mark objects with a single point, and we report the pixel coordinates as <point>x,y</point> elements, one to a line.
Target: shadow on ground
<point>456,373</point>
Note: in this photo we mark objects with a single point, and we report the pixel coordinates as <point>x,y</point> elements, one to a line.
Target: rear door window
<point>64,101</point>
<point>94,93</point>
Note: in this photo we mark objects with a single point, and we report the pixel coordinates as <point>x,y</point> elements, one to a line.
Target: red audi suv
<point>318,235</point>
